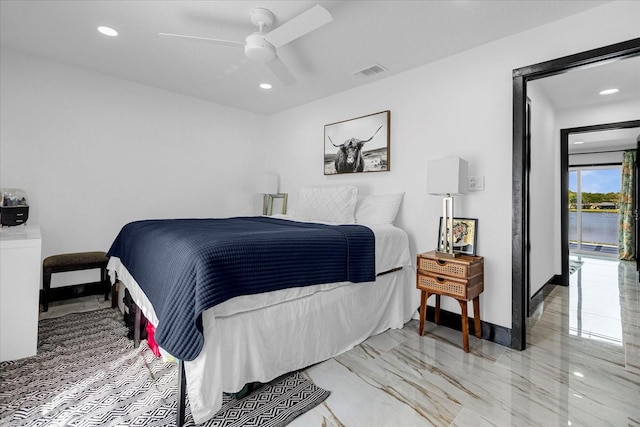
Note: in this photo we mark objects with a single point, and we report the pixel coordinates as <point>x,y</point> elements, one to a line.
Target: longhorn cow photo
<point>355,154</point>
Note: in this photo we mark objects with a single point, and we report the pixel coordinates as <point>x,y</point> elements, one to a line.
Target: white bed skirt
<point>264,343</point>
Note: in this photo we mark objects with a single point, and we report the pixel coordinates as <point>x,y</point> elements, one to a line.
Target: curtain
<point>626,228</point>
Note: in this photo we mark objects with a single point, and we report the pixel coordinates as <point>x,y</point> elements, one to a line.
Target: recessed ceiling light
<point>265,86</point>
<point>578,374</point>
<point>108,31</point>
<point>609,91</point>
<point>578,142</point>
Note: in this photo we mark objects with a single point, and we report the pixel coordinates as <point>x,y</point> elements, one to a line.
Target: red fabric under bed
<point>151,330</point>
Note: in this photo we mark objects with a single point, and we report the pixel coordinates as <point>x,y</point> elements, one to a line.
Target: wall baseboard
<point>543,292</point>
<point>490,332</point>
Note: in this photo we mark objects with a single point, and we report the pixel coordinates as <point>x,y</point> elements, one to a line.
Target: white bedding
<point>313,323</point>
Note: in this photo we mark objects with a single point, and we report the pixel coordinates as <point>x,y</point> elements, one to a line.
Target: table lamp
<point>447,177</point>
<point>267,185</point>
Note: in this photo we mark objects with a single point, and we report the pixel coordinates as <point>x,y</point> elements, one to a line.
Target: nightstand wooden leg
<point>436,318</point>
<point>465,325</point>
<point>423,310</point>
<point>476,317</point>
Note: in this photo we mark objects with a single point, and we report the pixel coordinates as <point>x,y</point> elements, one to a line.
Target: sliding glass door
<point>594,201</point>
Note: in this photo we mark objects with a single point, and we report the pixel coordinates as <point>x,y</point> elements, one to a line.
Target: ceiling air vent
<point>369,71</point>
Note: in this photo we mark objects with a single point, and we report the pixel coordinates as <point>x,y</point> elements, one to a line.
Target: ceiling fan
<point>262,47</point>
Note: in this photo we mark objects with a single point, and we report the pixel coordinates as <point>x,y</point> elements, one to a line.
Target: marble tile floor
<point>581,366</point>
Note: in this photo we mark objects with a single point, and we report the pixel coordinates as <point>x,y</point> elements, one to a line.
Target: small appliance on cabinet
<point>14,207</point>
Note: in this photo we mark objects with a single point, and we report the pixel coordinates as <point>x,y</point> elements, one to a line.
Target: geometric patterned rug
<point>87,373</point>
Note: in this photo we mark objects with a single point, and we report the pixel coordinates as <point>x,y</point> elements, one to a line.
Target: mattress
<point>392,252</point>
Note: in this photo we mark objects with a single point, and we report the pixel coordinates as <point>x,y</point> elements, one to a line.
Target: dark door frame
<point>520,173</point>
<point>564,183</point>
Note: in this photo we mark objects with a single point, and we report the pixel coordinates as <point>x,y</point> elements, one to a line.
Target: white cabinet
<point>20,267</point>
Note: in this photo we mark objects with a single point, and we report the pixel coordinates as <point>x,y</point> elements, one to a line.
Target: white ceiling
<point>581,88</point>
<point>604,140</point>
<point>399,35</point>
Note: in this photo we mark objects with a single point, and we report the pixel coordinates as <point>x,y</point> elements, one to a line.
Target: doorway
<point>594,192</point>
<point>520,226</point>
<point>631,126</point>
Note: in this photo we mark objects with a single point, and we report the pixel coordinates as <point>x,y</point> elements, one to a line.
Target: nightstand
<point>461,278</point>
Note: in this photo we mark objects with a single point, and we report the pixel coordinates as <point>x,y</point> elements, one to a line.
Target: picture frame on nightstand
<point>465,236</point>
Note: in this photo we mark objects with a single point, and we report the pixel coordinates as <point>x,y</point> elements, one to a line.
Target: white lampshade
<point>447,176</point>
<point>267,183</point>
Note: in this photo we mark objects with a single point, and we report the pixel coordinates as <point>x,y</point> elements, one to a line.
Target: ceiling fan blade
<point>216,41</point>
<point>281,71</point>
<point>302,24</point>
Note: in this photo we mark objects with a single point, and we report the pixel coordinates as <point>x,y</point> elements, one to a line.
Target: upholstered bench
<point>73,262</point>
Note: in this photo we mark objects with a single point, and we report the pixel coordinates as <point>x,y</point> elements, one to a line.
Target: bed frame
<point>182,379</point>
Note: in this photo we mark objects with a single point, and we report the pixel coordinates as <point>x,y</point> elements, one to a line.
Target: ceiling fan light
<point>258,49</point>
<point>107,31</point>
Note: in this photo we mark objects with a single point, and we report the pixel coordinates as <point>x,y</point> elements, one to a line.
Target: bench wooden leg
<point>105,283</point>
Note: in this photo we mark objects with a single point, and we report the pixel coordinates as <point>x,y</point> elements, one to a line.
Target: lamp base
<point>267,204</point>
<point>447,254</point>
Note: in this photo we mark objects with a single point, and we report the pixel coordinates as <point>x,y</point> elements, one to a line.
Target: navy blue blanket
<point>185,266</point>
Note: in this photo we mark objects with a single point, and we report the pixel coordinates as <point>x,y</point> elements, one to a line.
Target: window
<point>594,198</point>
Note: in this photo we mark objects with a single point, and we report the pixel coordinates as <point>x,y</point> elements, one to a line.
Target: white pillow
<point>378,209</point>
<point>328,204</point>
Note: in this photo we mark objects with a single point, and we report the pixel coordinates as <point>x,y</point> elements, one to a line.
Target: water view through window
<point>594,201</point>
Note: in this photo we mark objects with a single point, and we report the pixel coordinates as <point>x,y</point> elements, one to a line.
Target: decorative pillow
<point>378,209</point>
<point>327,204</point>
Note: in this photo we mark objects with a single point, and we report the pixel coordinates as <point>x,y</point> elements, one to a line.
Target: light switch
<point>476,183</point>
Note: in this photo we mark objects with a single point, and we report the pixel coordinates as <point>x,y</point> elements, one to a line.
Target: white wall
<point>544,181</point>
<point>459,106</point>
<point>95,152</point>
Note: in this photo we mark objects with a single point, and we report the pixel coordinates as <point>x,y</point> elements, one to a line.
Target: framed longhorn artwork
<point>358,145</point>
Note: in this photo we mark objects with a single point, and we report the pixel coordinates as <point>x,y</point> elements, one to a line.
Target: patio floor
<point>589,247</point>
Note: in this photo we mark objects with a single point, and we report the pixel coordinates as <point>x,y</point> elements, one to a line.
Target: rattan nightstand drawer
<point>449,268</point>
<point>466,289</point>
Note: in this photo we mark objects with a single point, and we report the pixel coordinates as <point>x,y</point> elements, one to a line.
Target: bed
<point>313,322</point>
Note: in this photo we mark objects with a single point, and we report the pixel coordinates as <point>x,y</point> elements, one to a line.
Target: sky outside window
<point>597,180</point>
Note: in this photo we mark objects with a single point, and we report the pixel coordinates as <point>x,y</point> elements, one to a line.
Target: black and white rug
<point>87,373</point>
